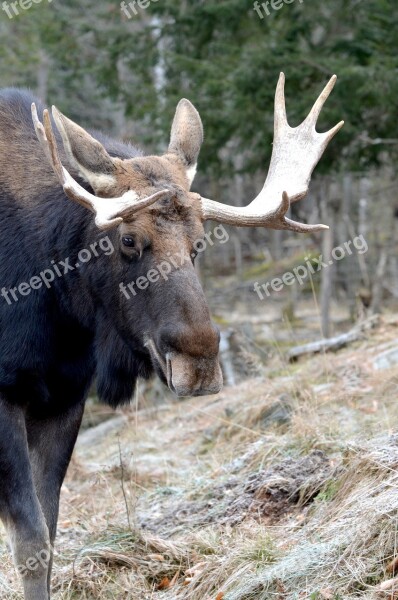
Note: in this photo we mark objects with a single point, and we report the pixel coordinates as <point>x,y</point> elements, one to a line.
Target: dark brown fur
<point>55,342</point>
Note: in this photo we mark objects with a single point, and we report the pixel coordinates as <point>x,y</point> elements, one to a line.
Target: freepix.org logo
<point>57,270</point>
<point>14,9</point>
<point>266,8</point>
<point>310,267</point>
<point>173,262</point>
<point>132,9</point>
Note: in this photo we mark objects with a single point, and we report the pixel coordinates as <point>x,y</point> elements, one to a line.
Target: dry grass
<point>346,541</point>
<point>119,563</point>
<point>282,487</point>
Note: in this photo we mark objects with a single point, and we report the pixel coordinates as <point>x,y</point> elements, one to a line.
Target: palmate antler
<point>108,212</point>
<point>296,152</point>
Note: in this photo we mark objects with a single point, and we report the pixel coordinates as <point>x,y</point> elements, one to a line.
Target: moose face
<point>158,219</point>
<point>161,296</point>
<point>161,305</point>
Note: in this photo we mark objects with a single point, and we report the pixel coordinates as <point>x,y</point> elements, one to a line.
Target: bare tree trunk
<point>393,258</point>
<point>276,244</point>
<point>377,287</point>
<point>238,255</point>
<point>349,268</point>
<point>364,185</point>
<point>327,272</point>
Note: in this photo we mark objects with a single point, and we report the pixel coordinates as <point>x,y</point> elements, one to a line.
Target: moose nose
<point>192,360</point>
<point>187,376</point>
<point>200,341</point>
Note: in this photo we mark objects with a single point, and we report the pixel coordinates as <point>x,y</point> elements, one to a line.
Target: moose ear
<point>86,154</point>
<point>187,136</point>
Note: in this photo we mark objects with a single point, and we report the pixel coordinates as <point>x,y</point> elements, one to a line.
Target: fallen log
<point>334,343</point>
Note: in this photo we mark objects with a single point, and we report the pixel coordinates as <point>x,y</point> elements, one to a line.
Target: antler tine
<point>280,117</point>
<point>46,137</point>
<point>323,96</point>
<point>40,132</point>
<point>329,135</point>
<point>291,225</point>
<point>109,212</point>
<point>52,146</point>
<point>295,153</point>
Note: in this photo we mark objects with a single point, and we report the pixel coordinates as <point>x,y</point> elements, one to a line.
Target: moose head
<point>148,204</point>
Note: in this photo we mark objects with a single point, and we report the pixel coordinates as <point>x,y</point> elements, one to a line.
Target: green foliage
<point>100,67</point>
<point>329,491</point>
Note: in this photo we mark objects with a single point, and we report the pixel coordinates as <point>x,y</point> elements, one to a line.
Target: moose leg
<point>20,508</point>
<point>51,442</point>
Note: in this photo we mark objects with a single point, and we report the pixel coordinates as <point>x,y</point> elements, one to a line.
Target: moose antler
<point>296,152</point>
<point>108,211</point>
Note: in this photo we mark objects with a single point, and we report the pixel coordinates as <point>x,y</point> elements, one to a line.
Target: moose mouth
<point>185,375</point>
<point>159,363</point>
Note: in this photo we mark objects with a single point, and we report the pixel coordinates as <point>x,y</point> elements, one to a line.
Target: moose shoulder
<point>81,217</point>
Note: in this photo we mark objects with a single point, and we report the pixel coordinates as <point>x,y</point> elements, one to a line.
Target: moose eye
<point>128,241</point>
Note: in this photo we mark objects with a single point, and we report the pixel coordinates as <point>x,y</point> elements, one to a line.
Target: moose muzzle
<point>192,376</point>
<point>188,358</point>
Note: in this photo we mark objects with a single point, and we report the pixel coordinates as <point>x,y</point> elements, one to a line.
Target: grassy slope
<point>284,487</point>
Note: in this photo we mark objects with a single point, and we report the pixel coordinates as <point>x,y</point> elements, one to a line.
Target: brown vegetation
<point>284,487</point>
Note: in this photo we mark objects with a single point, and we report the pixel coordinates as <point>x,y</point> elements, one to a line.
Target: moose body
<point>56,338</point>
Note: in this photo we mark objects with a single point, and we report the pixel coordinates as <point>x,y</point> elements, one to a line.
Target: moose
<point>61,189</point>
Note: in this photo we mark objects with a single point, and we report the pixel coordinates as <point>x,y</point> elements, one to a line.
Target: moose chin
<point>61,188</point>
